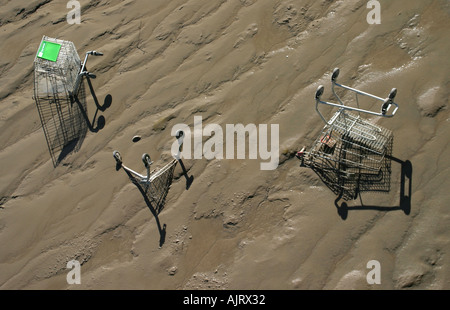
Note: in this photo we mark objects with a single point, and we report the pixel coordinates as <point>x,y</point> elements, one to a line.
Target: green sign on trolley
<point>49,50</point>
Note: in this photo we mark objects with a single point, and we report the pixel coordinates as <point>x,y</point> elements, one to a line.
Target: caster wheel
<point>117,157</point>
<point>146,160</point>
<point>385,106</point>
<point>319,91</point>
<point>179,134</point>
<point>393,93</point>
<point>335,74</point>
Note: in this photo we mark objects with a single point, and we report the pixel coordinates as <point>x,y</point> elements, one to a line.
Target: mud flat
<point>236,227</point>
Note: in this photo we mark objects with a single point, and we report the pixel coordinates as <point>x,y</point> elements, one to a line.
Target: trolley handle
<point>387,103</point>
<point>385,107</point>
<point>95,53</point>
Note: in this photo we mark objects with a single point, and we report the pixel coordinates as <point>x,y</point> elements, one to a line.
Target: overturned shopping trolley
<point>155,185</point>
<point>60,95</point>
<point>352,154</point>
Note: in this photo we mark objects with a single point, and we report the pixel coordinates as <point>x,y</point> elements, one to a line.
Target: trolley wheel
<point>179,134</point>
<point>393,93</point>
<point>319,91</point>
<point>117,157</point>
<point>335,74</point>
<point>385,106</point>
<point>146,160</point>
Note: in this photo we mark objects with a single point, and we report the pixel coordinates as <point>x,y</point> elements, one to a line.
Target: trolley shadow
<point>155,210</point>
<point>82,123</point>
<point>189,179</point>
<point>404,195</point>
<point>101,119</point>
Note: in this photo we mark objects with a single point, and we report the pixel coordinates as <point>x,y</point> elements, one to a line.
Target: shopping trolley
<point>352,154</point>
<point>155,184</point>
<point>59,93</point>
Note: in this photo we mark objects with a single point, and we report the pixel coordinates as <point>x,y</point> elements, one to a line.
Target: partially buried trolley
<point>155,185</point>
<point>59,93</point>
<point>352,154</point>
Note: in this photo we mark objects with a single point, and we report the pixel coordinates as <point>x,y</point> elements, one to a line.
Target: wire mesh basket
<point>352,154</point>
